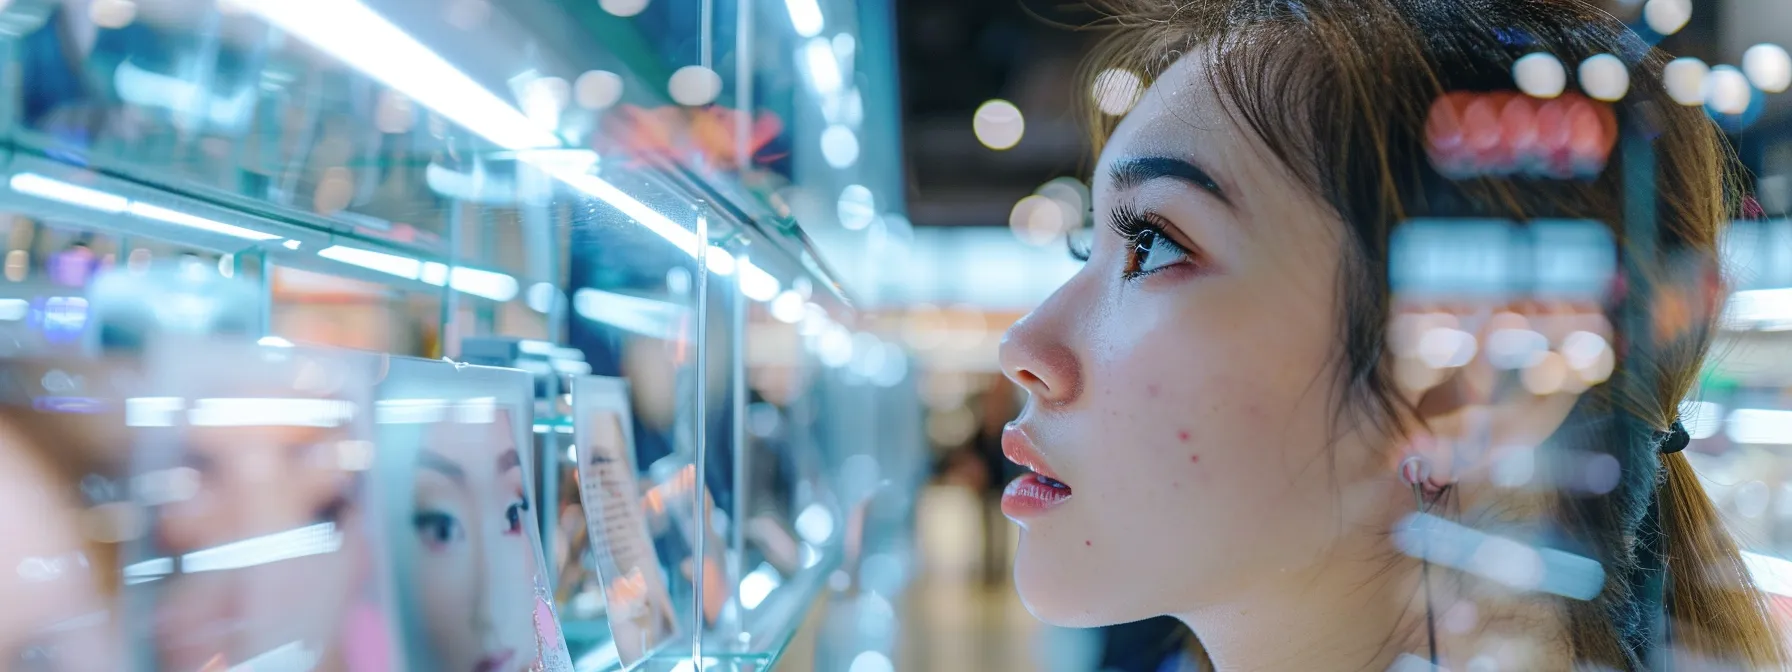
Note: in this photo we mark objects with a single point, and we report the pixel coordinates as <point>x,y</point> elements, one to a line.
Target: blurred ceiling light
<point>74,194</point>
<point>1509,349</point>
<point>805,17</point>
<point>318,539</point>
<point>1702,419</point>
<point>1038,220</point>
<point>1728,91</point>
<point>647,317</point>
<point>623,8</point>
<point>268,412</point>
<point>757,284</point>
<point>823,66</point>
<point>1684,79</point>
<point>757,585</point>
<point>787,307</point>
<point>1604,77</point>
<point>856,208</point>
<point>13,310</point>
<point>1540,75</point>
<point>597,89</point>
<point>1667,17</point>
<point>541,297</point>
<point>1446,348</point>
<point>489,284</point>
<point>1545,377</point>
<point>390,264</point>
<point>998,124</point>
<point>1765,309</point>
<point>1771,574</point>
<point>845,47</point>
<point>544,98</point>
<point>353,32</point>
<point>273,342</point>
<point>1768,66</point>
<point>1115,91</point>
<point>871,661</point>
<point>56,190</point>
<point>176,217</point>
<point>112,14</point>
<point>719,261</point>
<point>835,348</point>
<point>839,146</point>
<point>394,114</point>
<point>1760,426</point>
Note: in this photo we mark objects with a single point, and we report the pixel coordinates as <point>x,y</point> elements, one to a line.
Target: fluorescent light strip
<point>190,221</point>
<point>410,411</point>
<point>1768,309</point>
<point>147,570</point>
<point>1771,574</point>
<point>757,284</point>
<point>805,17</point>
<point>74,194</point>
<point>13,310</point>
<point>390,264</point>
<point>360,37</point>
<point>267,412</point>
<point>1760,426</point>
<point>295,543</point>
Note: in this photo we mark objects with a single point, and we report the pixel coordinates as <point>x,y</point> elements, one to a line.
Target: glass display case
<point>685,198</point>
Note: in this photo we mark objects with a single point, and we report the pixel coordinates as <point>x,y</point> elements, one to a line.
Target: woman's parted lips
<point>1018,447</point>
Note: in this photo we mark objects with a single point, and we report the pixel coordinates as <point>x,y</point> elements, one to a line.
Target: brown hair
<point>1339,91</point>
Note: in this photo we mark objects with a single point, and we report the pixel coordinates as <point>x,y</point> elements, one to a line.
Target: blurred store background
<point>841,203</point>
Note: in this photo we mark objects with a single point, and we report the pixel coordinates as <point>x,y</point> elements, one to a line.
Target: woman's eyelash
<point>1131,225</point>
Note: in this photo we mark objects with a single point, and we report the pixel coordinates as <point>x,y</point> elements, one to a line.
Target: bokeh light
<point>597,89</point>
<point>856,208</point>
<point>1604,77</point>
<point>1540,75</point>
<point>1667,16</point>
<point>111,14</point>
<point>694,85</point>
<point>839,146</point>
<point>998,124</point>
<point>1038,220</point>
<point>1727,90</point>
<point>623,8</point>
<point>1115,91</point>
<point>1684,79</point>
<point>1768,66</point>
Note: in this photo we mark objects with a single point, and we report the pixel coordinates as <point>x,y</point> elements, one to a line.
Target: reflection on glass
<point>269,532</point>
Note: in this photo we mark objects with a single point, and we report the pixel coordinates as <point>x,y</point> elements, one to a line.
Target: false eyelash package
<point>260,545</point>
<point>616,538</point>
<point>454,464</point>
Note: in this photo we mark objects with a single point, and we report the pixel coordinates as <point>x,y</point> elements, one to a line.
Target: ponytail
<point>1715,612</point>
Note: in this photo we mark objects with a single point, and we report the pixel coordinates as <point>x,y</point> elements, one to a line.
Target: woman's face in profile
<point>1182,383</point>
<point>476,561</point>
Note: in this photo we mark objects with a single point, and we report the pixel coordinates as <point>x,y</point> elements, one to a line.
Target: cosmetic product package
<point>67,510</point>
<point>261,543</point>
<point>455,464</point>
<point>619,544</point>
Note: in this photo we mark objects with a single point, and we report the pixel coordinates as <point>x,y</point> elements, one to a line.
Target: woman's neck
<point>1360,609</point>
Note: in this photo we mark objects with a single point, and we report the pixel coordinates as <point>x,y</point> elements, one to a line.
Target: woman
<point>476,564</point>
<point>1219,424</point>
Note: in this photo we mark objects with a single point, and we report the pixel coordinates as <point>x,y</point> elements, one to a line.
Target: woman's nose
<point>1035,357</point>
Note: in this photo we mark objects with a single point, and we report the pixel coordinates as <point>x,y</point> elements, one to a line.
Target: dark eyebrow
<point>1131,173</point>
<point>508,460</point>
<point>435,461</point>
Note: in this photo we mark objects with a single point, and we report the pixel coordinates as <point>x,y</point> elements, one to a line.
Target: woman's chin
<point>1063,596</point>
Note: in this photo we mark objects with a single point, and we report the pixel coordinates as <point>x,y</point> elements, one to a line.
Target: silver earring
<point>1416,472</point>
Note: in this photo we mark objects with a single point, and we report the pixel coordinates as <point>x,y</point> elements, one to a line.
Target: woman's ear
<point>1481,381</point>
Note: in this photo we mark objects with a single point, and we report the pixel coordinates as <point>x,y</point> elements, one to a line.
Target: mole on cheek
<point>1183,435</point>
<point>1194,458</point>
<point>1151,389</point>
<point>1087,543</point>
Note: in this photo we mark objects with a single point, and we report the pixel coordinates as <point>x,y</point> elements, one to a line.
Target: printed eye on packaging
<point>263,546</point>
<point>455,465</point>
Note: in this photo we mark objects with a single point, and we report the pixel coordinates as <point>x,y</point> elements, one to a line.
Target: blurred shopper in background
<point>1228,422</point>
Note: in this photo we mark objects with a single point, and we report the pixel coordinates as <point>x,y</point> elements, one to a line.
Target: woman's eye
<point>437,529</point>
<point>1153,251</point>
<point>514,515</point>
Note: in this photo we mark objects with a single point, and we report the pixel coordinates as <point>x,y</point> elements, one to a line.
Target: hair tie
<point>1674,440</point>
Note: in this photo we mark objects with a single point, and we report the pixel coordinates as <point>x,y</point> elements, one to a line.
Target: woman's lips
<point>1033,493</point>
